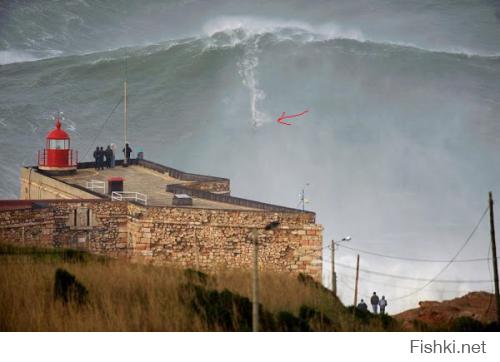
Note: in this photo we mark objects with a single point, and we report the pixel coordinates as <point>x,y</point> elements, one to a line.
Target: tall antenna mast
<point>125,161</point>
<point>302,196</point>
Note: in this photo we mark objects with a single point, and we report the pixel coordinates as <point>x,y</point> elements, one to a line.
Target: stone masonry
<point>57,213</point>
<point>198,238</point>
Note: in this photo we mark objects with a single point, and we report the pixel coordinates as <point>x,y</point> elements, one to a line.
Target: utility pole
<point>125,161</point>
<point>354,307</point>
<point>254,237</point>
<point>255,281</point>
<point>356,285</point>
<point>494,254</point>
<point>334,275</point>
<point>197,246</point>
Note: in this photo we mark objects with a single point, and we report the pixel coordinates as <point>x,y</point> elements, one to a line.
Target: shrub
<point>287,322</point>
<point>316,319</point>
<point>68,289</point>
<point>196,276</point>
<point>74,256</point>
<point>492,327</point>
<point>360,315</point>
<point>467,324</point>
<point>388,323</point>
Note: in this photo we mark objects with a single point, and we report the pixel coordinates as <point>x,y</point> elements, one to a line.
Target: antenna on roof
<point>302,196</point>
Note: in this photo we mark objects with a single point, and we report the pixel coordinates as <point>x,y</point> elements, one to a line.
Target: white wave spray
<point>247,66</point>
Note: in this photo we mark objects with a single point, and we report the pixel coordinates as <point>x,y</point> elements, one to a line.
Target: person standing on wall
<point>127,151</point>
<point>113,149</point>
<point>107,154</point>
<point>374,300</point>
<point>96,158</point>
<point>140,153</point>
<point>101,159</point>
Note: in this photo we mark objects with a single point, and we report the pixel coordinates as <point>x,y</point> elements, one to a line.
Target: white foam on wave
<point>249,30</point>
<point>20,56</point>
<point>251,26</point>
<point>241,28</point>
<point>14,56</point>
<point>247,69</point>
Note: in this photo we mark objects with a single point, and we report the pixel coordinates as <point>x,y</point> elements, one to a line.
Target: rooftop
<point>158,184</point>
<point>144,180</point>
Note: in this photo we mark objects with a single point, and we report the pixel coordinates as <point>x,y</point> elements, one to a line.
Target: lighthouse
<point>57,155</point>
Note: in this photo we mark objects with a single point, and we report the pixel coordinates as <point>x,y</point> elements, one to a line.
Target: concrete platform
<point>143,180</point>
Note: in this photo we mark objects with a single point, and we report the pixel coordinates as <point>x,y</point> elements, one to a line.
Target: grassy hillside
<point>133,297</point>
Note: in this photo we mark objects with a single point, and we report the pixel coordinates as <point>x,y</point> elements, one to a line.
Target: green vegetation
<point>460,324</point>
<point>71,290</point>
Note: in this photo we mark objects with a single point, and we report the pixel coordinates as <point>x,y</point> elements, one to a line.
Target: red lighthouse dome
<point>58,133</point>
<point>57,155</point>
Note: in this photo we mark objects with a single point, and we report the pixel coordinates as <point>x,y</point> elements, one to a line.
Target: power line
<point>434,279</point>
<point>400,286</point>
<point>414,259</point>
<point>415,279</point>
<point>102,126</point>
<point>347,285</point>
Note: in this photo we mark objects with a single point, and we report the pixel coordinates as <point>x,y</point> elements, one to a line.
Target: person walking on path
<point>382,303</point>
<point>374,300</point>
<point>362,306</point>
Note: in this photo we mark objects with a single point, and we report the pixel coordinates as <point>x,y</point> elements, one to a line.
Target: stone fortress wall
<point>55,213</point>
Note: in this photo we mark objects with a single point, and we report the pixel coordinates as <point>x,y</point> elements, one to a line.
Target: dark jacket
<point>108,152</point>
<point>362,306</point>
<point>127,151</point>
<point>374,300</point>
<point>100,154</point>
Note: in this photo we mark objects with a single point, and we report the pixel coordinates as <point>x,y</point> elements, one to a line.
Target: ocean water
<point>400,146</point>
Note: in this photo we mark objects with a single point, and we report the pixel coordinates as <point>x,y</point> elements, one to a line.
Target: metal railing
<point>227,199</point>
<point>96,184</point>
<point>180,175</point>
<point>129,195</point>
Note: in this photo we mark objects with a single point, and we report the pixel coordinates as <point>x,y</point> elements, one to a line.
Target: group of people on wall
<point>375,302</point>
<point>106,157</point>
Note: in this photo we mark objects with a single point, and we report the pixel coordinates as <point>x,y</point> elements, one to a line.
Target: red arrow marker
<point>284,116</point>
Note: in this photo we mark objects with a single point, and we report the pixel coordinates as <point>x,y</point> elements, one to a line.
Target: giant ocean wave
<point>401,137</point>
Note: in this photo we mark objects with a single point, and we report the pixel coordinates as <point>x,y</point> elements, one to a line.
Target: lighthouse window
<point>59,144</point>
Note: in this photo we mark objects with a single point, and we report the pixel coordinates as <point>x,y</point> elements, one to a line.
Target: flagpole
<point>125,161</point>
